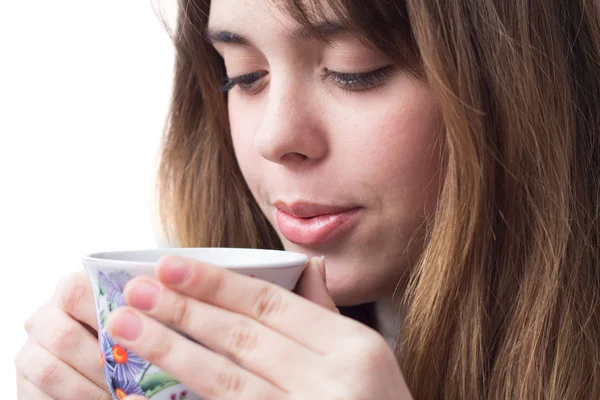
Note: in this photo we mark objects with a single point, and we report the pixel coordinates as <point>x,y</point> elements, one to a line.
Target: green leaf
<point>111,306</point>
<point>152,384</point>
<point>101,289</point>
<point>103,318</point>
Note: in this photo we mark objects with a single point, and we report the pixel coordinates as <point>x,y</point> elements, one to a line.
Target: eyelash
<point>243,81</point>
<point>356,82</point>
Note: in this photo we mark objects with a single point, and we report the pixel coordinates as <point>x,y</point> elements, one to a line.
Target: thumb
<point>313,284</point>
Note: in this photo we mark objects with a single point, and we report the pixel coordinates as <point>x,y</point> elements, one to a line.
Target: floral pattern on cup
<point>179,396</point>
<point>125,373</point>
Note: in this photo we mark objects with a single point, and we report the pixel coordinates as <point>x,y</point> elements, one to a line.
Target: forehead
<point>255,21</point>
<point>382,25</point>
<point>247,13</point>
<point>277,14</point>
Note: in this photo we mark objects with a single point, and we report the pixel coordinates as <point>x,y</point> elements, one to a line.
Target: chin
<point>348,281</point>
<point>349,289</point>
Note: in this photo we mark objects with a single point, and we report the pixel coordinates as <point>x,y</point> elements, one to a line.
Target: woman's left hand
<point>262,341</point>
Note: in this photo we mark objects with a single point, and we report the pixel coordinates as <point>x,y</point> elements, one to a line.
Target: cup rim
<point>111,258</point>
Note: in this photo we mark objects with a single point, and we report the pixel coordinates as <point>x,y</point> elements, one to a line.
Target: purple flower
<point>114,285</point>
<point>123,388</point>
<point>106,346</point>
<point>122,364</point>
<point>173,396</point>
<point>109,383</point>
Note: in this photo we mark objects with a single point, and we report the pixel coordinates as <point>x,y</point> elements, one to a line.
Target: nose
<point>292,129</point>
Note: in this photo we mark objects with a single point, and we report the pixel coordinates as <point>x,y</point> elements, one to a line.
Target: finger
<point>54,377</point>
<point>75,295</point>
<point>255,347</point>
<point>68,340</point>
<point>315,327</point>
<point>206,373</point>
<point>28,391</point>
<point>313,284</point>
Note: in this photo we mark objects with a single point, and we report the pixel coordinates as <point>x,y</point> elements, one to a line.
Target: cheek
<point>242,126</point>
<point>411,145</point>
<point>399,152</point>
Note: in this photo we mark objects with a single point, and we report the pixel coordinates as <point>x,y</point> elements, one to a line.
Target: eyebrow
<point>322,30</point>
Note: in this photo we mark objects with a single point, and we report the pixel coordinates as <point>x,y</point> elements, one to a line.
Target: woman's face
<point>340,148</point>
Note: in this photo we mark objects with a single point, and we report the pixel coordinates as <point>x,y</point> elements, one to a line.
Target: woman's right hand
<point>61,359</point>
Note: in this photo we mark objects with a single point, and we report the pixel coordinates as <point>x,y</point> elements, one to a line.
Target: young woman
<point>444,157</point>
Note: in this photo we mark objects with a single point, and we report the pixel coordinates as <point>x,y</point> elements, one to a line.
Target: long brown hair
<point>504,302</point>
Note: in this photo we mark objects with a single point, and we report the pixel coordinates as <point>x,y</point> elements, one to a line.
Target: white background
<point>84,91</point>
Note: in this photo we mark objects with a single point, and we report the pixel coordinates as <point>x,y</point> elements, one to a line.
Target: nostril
<point>293,157</point>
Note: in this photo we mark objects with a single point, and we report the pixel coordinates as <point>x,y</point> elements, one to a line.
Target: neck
<point>388,320</point>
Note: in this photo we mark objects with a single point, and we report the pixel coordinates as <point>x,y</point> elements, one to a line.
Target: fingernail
<point>142,294</point>
<point>175,270</point>
<point>126,325</point>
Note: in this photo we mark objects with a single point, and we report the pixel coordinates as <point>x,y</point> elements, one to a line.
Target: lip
<point>311,224</point>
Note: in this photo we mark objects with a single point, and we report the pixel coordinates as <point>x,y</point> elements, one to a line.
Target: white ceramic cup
<point>126,373</point>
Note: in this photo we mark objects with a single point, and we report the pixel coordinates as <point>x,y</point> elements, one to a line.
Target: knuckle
<point>375,352</point>
<point>72,292</point>
<point>18,361</point>
<point>229,383</point>
<point>28,325</point>
<point>362,336</point>
<point>24,361</point>
<point>179,312</point>
<point>46,375</point>
<point>34,319</point>
<point>159,350</point>
<point>377,343</point>
<point>66,339</point>
<point>242,340</point>
<point>212,284</point>
<point>267,303</point>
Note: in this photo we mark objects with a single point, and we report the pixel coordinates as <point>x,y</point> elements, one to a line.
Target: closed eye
<point>359,81</point>
<point>245,82</point>
<point>350,81</point>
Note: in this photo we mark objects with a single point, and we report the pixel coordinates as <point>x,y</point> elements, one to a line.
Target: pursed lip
<point>312,224</point>
<point>309,210</point>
